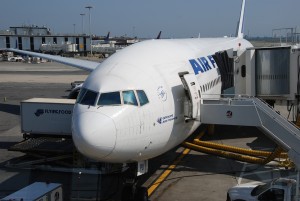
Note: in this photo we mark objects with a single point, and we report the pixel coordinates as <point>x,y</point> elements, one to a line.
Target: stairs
<point>254,112</point>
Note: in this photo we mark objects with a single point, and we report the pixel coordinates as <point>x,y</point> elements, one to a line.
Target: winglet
<point>240,33</point>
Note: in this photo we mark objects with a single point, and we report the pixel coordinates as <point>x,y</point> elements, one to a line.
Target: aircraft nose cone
<point>94,134</point>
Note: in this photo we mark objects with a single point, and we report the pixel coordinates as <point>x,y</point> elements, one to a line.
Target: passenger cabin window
<point>142,97</point>
<point>87,97</point>
<point>129,98</point>
<point>112,98</point>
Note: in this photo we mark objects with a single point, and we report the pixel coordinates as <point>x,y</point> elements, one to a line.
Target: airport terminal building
<point>40,39</point>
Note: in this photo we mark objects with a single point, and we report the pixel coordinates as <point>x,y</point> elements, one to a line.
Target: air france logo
<point>162,94</point>
<point>203,64</point>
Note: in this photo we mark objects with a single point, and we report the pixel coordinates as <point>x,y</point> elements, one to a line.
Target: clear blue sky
<point>176,18</point>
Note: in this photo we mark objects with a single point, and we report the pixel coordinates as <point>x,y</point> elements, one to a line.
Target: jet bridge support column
<point>250,72</point>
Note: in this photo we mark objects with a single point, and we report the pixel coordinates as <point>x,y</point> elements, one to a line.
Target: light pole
<point>74,28</point>
<point>82,15</point>
<point>89,7</point>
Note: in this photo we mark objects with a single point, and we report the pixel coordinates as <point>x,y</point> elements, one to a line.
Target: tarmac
<point>196,176</point>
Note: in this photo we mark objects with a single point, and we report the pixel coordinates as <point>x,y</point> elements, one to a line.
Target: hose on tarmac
<point>240,154</point>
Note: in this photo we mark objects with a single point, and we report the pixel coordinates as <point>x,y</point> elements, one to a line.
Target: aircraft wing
<point>78,63</point>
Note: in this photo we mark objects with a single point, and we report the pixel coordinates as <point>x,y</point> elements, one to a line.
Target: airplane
<point>105,40</point>
<point>75,91</point>
<point>145,99</point>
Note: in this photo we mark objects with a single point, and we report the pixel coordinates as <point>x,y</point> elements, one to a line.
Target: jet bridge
<point>272,74</point>
<point>267,73</point>
<point>250,111</point>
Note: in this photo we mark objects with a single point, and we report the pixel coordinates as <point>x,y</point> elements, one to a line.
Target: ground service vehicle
<point>280,189</point>
<point>38,191</point>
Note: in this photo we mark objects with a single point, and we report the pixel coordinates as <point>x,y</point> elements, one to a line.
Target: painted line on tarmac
<point>167,172</point>
<point>239,181</point>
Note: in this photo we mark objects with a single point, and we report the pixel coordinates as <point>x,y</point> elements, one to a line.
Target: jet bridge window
<point>142,97</point>
<point>129,98</point>
<point>87,97</point>
<point>112,98</point>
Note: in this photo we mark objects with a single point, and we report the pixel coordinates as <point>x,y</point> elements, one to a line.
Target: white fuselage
<point>127,133</point>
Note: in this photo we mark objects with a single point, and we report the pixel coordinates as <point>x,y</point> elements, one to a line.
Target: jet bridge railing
<point>250,111</point>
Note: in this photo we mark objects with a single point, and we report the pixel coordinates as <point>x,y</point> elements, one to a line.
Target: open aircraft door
<point>192,92</point>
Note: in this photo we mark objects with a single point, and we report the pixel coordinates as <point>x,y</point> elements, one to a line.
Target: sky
<point>144,19</point>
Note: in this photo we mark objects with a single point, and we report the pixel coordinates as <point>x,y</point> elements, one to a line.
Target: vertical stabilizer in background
<point>158,36</point>
<point>107,37</point>
<point>240,30</point>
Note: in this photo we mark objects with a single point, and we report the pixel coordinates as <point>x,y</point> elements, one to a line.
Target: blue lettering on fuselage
<point>205,63</point>
<point>212,61</point>
<point>202,65</point>
<point>196,66</point>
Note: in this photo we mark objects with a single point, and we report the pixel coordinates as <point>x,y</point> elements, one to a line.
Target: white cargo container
<point>47,116</point>
<point>38,191</point>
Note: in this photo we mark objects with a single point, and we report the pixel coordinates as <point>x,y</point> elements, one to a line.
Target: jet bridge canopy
<point>272,73</point>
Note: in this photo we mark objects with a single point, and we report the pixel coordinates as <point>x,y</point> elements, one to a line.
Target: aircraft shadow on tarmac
<point>9,108</point>
<point>75,186</point>
<point>6,145</point>
<point>224,132</point>
<point>198,164</point>
<point>195,165</point>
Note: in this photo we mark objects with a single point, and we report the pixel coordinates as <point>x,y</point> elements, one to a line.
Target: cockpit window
<point>129,98</point>
<point>112,98</point>
<point>81,94</point>
<point>142,97</point>
<point>87,97</point>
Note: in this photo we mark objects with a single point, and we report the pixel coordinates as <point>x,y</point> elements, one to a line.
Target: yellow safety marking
<point>167,172</point>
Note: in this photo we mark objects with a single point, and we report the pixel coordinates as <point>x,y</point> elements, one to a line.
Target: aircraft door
<point>192,92</point>
<point>225,64</point>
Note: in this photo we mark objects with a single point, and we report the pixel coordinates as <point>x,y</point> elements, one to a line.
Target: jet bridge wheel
<point>141,194</point>
<point>131,190</point>
<point>127,193</point>
<point>131,193</point>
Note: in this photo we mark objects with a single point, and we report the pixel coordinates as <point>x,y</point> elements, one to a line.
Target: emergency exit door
<point>192,92</point>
